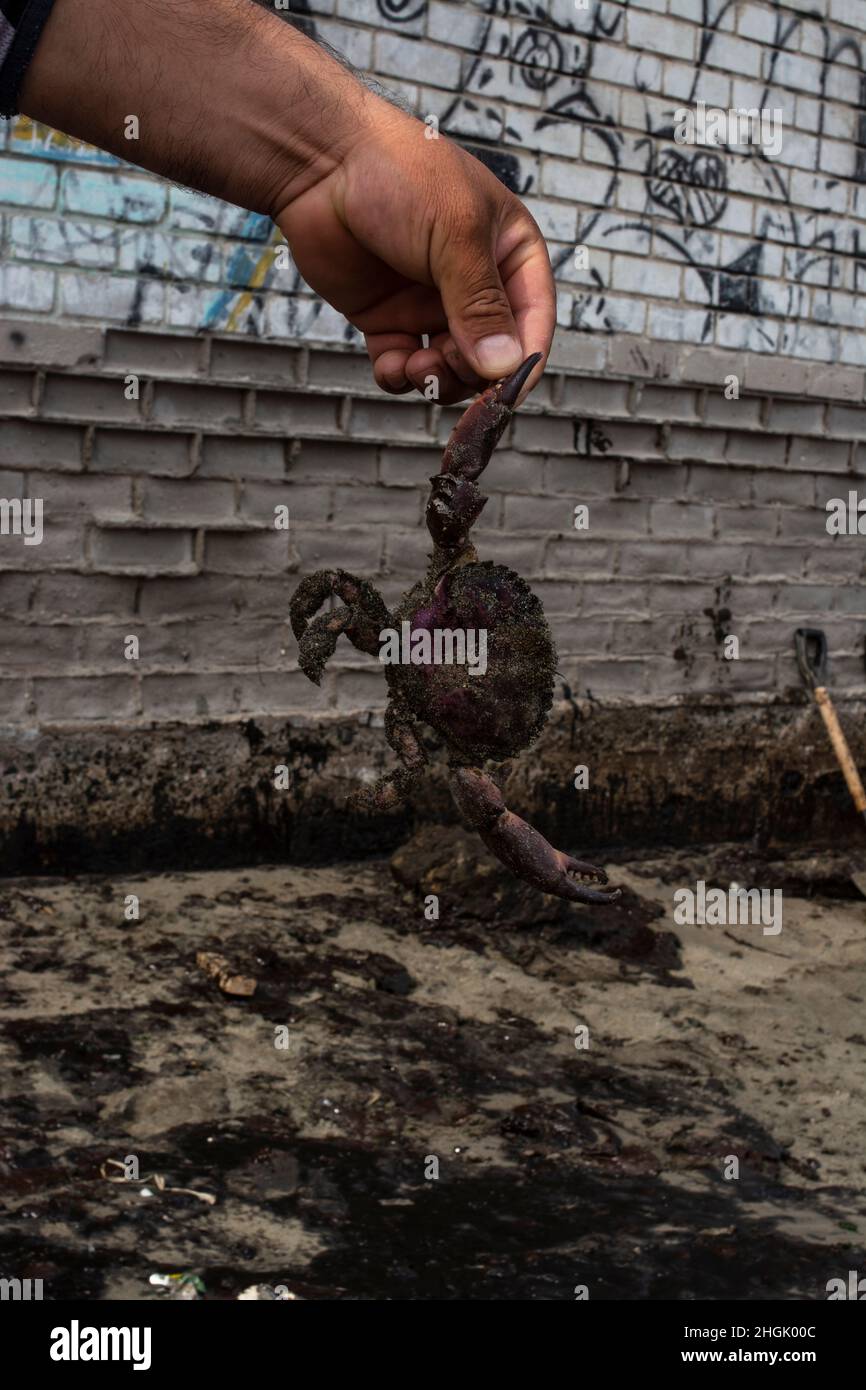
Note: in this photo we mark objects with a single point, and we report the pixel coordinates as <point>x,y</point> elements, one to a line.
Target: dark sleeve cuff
<point>21,25</point>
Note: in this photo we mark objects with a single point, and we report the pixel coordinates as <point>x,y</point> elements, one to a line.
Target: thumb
<point>479,314</point>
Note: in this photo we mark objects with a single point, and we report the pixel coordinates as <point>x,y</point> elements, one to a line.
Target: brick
<point>34,649</point>
<point>577,352</point>
<point>619,596</point>
<point>796,417</point>
<point>122,197</point>
<point>655,480</point>
<point>391,421</point>
<point>575,558</point>
<point>130,451</point>
<point>235,456</point>
<point>836,383</point>
<point>626,357</point>
<point>16,594</point>
<point>87,596</point>
<point>832,455</point>
<point>195,695</point>
<point>27,183</point>
<point>666,403</point>
<point>775,374</point>
<point>761,451</point>
<point>341,371</point>
<point>797,489</point>
<point>32,444</point>
<point>711,368</point>
<point>247,553</point>
<point>105,296</point>
<point>216,596</point>
<point>619,677</point>
<point>395,506</point>
<point>215,645</point>
<point>685,443</point>
<point>88,399</point>
<point>786,562</point>
<point>305,503</point>
<point>27,287</point>
<point>432,64</point>
<point>721,484</point>
<point>73,698</point>
<point>13,700</point>
<point>149,551</point>
<point>187,503</point>
<point>68,495</point>
<point>152,354</point>
<point>16,393</point>
<point>324,461</point>
<point>255,362</point>
<point>295,413</point>
<point>521,553</point>
<point>580,477</point>
<point>743,413</point>
<point>757,524</point>
<point>405,467</point>
<point>598,399</point>
<point>61,547</point>
<point>63,243</point>
<point>49,345</point>
<point>717,560</point>
<point>207,406</point>
<point>681,520</point>
<point>538,514</point>
<point>630,441</point>
<point>847,422</point>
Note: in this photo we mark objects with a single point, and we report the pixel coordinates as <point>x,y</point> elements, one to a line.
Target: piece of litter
<point>264,1293</point>
<point>157,1179</point>
<point>219,969</point>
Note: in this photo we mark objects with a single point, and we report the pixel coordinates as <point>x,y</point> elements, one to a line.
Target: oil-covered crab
<point>487,717</point>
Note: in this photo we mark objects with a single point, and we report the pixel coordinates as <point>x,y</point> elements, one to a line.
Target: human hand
<point>409,236</point>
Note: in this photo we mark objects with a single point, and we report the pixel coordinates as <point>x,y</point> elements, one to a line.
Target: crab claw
<point>481,427</point>
<point>521,848</point>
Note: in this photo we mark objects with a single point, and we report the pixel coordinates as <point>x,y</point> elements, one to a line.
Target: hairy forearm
<point>229,98</point>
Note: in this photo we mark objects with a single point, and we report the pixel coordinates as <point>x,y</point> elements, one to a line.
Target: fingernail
<point>499,354</point>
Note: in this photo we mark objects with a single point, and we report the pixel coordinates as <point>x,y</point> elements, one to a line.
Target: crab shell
<point>498,713</point>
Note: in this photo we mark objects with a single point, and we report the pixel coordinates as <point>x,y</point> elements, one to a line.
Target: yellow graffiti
<point>45,138</point>
<point>257,280</point>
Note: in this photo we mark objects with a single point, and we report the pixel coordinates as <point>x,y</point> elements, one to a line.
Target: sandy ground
<point>411,1041</point>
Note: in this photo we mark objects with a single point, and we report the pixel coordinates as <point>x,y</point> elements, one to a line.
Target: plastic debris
<point>184,1287</point>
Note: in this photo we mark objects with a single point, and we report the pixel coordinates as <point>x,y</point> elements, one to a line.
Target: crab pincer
<point>520,847</point>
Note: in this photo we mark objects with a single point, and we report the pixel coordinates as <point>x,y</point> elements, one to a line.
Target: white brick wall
<point>583,102</point>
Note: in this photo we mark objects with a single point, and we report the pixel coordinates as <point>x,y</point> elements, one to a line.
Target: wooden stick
<point>840,747</point>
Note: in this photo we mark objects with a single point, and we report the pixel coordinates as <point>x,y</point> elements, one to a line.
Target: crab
<point>482,718</point>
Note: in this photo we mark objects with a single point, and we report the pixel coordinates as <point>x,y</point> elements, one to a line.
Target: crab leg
<point>480,428</point>
<point>455,499</point>
<point>520,848</point>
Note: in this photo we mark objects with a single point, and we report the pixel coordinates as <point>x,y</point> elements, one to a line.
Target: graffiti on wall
<point>686,193</point>
<point>775,248</point>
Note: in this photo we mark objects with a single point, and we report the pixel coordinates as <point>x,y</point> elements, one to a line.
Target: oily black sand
<point>411,1039</point>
